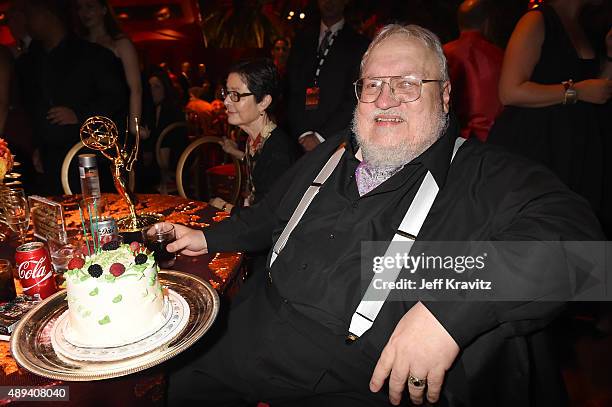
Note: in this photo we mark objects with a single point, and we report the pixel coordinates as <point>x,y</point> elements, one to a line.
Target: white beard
<point>396,150</point>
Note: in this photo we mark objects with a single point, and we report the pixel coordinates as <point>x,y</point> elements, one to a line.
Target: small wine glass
<point>156,238</point>
<point>62,249</point>
<point>16,211</point>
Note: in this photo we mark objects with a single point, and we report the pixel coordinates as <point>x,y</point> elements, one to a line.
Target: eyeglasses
<point>233,95</point>
<point>403,88</point>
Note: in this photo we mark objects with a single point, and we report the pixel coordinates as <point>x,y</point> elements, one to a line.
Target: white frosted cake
<point>114,297</point>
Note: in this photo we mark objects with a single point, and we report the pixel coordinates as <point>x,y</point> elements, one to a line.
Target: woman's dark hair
<point>111,24</point>
<point>261,77</point>
<point>171,97</point>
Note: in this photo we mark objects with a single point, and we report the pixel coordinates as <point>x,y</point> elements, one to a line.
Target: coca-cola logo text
<point>38,270</point>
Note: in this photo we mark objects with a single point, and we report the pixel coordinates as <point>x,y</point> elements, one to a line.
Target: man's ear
<point>446,90</point>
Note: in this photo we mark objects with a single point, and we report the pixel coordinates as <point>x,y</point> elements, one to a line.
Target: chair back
<point>163,156</point>
<point>222,172</point>
<point>158,144</point>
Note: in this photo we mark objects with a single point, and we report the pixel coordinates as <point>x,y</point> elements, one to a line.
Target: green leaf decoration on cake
<point>104,320</point>
<point>140,268</point>
<point>86,314</point>
<point>94,292</point>
<point>84,277</point>
<point>145,293</point>
<point>109,278</point>
<point>152,281</point>
<point>117,299</point>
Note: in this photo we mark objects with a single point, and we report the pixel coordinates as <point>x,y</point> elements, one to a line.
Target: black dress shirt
<point>486,194</point>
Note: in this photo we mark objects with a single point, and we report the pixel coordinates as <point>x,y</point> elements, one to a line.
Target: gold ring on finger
<point>416,382</point>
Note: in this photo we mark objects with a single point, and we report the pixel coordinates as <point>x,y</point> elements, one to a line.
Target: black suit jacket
<point>340,70</point>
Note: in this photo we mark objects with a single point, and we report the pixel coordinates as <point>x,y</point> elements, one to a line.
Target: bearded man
<point>301,335</point>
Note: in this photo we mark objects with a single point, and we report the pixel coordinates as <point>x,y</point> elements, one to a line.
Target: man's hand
<point>309,142</point>
<point>421,347</point>
<point>188,241</point>
<point>62,115</point>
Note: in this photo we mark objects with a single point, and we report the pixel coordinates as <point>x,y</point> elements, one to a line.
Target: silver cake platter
<point>31,342</point>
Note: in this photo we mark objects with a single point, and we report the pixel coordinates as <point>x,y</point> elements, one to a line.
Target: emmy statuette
<point>101,134</point>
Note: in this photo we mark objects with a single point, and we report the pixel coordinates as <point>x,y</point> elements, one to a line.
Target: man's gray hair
<point>429,39</point>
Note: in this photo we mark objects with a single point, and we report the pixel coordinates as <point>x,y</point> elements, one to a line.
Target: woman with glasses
<point>250,96</point>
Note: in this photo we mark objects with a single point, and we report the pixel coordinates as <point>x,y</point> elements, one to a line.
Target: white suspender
<point>409,228</point>
<point>309,195</point>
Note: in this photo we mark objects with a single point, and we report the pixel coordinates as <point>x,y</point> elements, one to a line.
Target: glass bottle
<point>88,171</point>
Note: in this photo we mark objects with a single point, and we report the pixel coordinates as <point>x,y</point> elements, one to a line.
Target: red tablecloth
<point>144,388</point>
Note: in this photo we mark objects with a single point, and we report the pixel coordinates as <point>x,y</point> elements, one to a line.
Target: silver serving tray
<point>31,340</point>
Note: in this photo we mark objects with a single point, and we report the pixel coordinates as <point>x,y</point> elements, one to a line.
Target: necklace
<point>256,144</point>
<point>253,147</point>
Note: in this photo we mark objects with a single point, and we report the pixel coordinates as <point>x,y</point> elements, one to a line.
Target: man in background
<point>65,81</point>
<point>323,64</point>
<point>474,65</point>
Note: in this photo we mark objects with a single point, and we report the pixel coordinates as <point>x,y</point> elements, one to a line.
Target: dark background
<point>218,32</point>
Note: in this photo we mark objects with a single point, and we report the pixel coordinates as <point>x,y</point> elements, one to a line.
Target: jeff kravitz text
<point>435,284</point>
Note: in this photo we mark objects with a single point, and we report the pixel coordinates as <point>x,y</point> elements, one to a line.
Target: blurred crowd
<point>547,96</point>
<point>71,61</point>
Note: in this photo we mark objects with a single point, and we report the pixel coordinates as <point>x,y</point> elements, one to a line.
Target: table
<point>148,387</point>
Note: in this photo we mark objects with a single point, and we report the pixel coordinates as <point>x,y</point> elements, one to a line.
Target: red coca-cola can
<point>35,270</point>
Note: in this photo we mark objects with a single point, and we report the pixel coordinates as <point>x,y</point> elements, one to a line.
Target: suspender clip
<point>350,338</point>
<point>406,234</point>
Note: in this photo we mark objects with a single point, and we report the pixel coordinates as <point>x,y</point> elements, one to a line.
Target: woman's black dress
<point>572,140</point>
